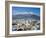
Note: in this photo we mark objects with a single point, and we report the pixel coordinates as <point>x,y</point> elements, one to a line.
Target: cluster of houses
<point>28,24</point>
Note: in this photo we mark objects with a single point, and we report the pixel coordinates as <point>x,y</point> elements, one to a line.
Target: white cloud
<point>23,13</point>
<point>30,12</point>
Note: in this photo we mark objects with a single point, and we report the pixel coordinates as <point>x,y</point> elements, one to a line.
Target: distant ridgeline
<point>25,16</point>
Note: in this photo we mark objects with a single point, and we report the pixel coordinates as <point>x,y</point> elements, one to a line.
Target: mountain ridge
<point>26,16</point>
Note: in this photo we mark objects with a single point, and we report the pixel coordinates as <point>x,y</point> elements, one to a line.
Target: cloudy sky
<point>25,10</point>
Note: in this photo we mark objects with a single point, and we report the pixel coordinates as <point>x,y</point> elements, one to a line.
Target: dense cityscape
<point>23,25</point>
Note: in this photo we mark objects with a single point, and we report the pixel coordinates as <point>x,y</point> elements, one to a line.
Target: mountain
<point>25,16</point>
